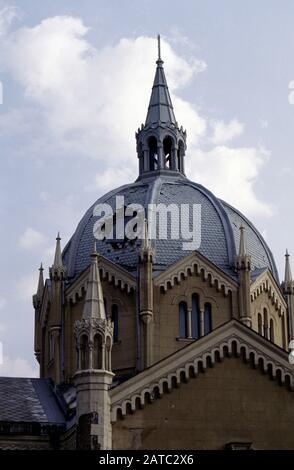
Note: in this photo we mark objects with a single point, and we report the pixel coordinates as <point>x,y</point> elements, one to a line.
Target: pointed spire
<point>160,106</point>
<point>57,270</point>
<point>146,241</point>
<point>243,259</point>
<point>40,283</point>
<point>37,298</point>
<point>288,274</point>
<point>242,247</point>
<point>57,257</point>
<point>94,303</point>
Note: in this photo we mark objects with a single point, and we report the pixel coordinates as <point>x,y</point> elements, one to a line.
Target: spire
<point>160,106</point>
<point>146,249</point>
<point>161,144</point>
<point>243,259</point>
<point>40,283</point>
<point>58,258</point>
<point>37,298</point>
<point>94,303</point>
<point>57,270</point>
<point>288,274</point>
<point>242,247</point>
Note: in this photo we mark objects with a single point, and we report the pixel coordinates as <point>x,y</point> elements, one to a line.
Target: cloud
<point>231,173</point>
<point>86,102</point>
<point>7,15</point>
<point>17,367</point>
<point>31,239</point>
<point>223,133</point>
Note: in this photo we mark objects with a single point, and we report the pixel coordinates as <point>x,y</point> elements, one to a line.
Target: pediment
<point>232,338</point>
<point>110,272</point>
<point>265,282</point>
<point>195,264</point>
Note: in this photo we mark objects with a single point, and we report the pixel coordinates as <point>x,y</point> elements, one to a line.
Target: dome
<point>219,230</point>
<point>161,147</point>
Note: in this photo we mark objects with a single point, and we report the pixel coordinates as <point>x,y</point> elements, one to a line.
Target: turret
<point>37,303</point>
<point>145,289</point>
<point>161,143</point>
<point>94,337</point>
<point>243,267</point>
<point>57,273</point>
<point>288,291</point>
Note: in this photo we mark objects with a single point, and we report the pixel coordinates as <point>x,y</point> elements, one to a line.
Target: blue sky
<point>76,81</point>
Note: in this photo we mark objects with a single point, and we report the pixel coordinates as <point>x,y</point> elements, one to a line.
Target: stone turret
<point>145,289</point>
<point>243,266</point>
<point>57,274</point>
<point>288,291</point>
<point>94,337</point>
<point>161,144</point>
<point>37,303</point>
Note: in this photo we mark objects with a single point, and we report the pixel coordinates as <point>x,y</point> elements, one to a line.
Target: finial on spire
<point>159,47</point>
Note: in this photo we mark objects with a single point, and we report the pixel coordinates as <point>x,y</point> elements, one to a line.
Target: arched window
<point>195,316</point>
<point>181,157</point>
<point>265,323</point>
<point>207,318</point>
<point>97,353</point>
<point>167,152</point>
<point>114,319</point>
<point>153,154</point>
<point>259,323</point>
<point>84,352</point>
<point>271,330</point>
<point>183,320</point>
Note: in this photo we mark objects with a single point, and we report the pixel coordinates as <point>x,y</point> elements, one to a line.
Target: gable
<point>232,338</point>
<point>224,403</point>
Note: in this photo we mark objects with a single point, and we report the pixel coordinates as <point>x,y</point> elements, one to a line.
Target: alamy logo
<point>291,353</point>
<point>1,92</point>
<point>127,222</point>
<point>1,353</point>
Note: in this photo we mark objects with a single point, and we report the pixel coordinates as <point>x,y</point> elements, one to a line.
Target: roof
<point>219,230</point>
<point>160,106</point>
<point>29,401</point>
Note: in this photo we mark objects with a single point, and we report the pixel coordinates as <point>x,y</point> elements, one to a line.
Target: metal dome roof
<point>219,230</point>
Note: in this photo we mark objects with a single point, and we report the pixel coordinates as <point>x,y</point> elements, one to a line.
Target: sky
<point>76,79</point>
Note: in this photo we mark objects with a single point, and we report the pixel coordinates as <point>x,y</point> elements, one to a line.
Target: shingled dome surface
<point>219,230</point>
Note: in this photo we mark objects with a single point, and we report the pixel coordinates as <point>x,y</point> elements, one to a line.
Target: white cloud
<point>17,367</point>
<point>231,173</point>
<point>7,15</point>
<point>88,102</point>
<point>31,239</point>
<point>223,133</point>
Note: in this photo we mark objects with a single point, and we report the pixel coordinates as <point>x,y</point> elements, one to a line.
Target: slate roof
<point>160,106</point>
<point>29,401</point>
<point>219,229</point>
